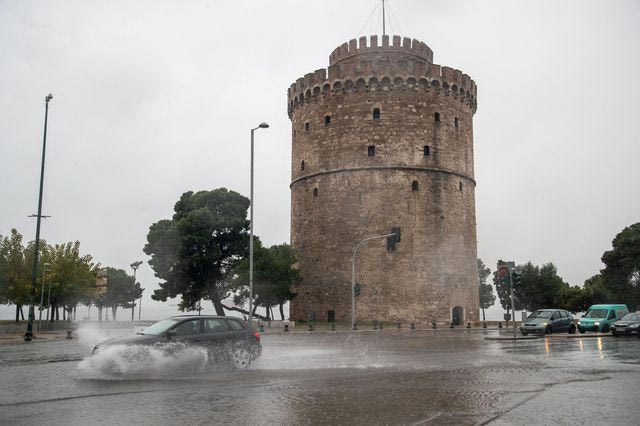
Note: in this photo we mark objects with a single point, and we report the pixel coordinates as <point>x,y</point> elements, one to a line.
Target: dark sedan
<point>627,326</point>
<point>225,338</point>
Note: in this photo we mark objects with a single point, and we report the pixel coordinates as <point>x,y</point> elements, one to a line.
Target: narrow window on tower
<point>315,192</point>
<point>414,185</point>
<point>302,165</point>
<point>436,117</point>
<point>456,123</point>
<point>460,186</point>
<point>306,126</point>
<point>376,113</point>
<point>371,150</point>
<point>327,120</point>
<point>425,150</point>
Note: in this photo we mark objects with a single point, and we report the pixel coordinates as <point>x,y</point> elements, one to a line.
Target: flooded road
<point>388,377</point>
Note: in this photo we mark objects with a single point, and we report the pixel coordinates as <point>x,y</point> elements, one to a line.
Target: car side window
<point>187,328</point>
<point>235,325</point>
<point>612,314</point>
<point>562,314</point>
<point>554,316</point>
<point>214,325</point>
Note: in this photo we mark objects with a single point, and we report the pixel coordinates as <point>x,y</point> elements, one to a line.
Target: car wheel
<point>548,330</point>
<point>240,357</point>
<point>572,329</point>
<point>605,328</point>
<point>581,331</point>
<point>524,333</point>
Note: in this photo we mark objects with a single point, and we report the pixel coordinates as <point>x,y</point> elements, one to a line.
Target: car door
<point>216,332</point>
<point>188,332</point>
<point>555,322</point>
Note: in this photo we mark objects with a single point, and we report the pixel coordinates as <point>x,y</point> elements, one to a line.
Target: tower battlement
<point>352,69</point>
<point>371,45</point>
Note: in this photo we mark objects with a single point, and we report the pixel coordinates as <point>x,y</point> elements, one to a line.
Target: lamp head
<point>263,125</point>
<point>136,264</point>
<point>48,97</point>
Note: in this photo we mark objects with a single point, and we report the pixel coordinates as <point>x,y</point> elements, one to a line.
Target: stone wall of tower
<point>420,179</point>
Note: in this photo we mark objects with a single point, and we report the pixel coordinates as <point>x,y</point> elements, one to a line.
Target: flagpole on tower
<point>384,32</point>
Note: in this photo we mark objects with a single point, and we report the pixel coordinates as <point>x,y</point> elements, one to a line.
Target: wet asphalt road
<point>389,377</point>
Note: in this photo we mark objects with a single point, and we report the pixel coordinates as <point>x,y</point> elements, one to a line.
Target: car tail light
<point>256,334</point>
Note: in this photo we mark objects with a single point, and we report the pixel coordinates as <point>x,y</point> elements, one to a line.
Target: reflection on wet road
<point>388,377</point>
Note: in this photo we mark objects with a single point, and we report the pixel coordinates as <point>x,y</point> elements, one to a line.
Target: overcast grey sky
<point>155,98</point>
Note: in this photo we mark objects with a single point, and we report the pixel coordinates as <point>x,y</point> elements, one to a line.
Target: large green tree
<point>487,297</point>
<point>275,276</point>
<point>195,251</point>
<point>621,275</point>
<point>121,291</point>
<point>15,272</point>
<point>540,286</point>
<point>72,277</point>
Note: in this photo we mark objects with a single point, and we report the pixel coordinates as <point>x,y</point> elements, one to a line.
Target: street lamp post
<point>353,276</point>
<point>134,266</point>
<point>140,306</point>
<point>44,269</point>
<point>29,334</point>
<point>262,125</point>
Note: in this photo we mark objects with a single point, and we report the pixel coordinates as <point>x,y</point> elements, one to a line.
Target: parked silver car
<point>627,326</point>
<point>547,321</point>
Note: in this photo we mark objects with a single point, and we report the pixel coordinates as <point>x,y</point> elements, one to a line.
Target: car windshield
<point>596,313</point>
<point>160,327</point>
<point>631,317</point>
<point>540,314</point>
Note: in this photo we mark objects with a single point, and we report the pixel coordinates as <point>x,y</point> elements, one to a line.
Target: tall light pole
<point>140,305</point>
<point>29,334</point>
<point>134,266</point>
<point>262,125</point>
<point>44,269</point>
<point>353,275</point>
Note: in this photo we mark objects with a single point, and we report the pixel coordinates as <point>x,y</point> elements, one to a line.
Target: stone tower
<point>383,139</point>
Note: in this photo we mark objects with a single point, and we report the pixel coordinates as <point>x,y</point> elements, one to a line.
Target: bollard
<point>333,326</point>
<point>261,328</point>
<point>310,326</point>
<point>413,326</point>
<point>468,325</point>
<point>69,337</point>
<point>451,326</point>
<point>499,325</point>
<point>286,328</point>
<point>484,325</point>
<point>354,326</point>
<point>399,324</point>
<point>433,325</point>
<point>375,325</point>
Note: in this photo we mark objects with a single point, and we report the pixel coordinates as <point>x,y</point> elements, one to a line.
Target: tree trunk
<point>75,313</point>
<point>483,318</point>
<point>57,314</point>
<point>268,314</point>
<point>282,311</point>
<point>233,308</point>
<point>113,312</point>
<point>18,307</point>
<point>64,313</point>
<point>99,314</point>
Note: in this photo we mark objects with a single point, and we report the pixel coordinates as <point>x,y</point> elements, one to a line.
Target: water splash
<point>144,361</point>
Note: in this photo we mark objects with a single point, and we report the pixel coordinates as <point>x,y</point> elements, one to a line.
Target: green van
<point>600,317</point>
